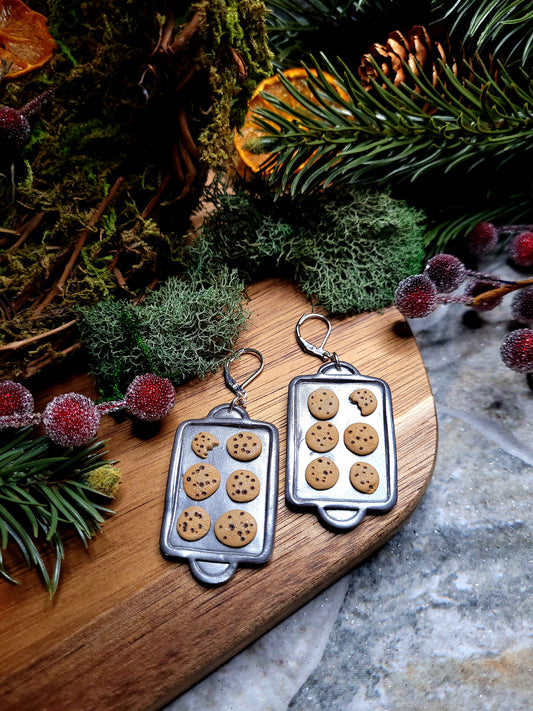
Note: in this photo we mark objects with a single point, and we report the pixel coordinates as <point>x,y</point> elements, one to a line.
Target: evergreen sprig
<point>43,494</point>
<point>505,29</point>
<point>386,134</point>
<point>477,130</point>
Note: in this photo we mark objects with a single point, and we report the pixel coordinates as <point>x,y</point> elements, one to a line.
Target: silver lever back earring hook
<point>239,389</point>
<point>308,347</point>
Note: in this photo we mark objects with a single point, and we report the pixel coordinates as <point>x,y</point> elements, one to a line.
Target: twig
<point>500,291</point>
<point>165,34</point>
<point>190,169</point>
<point>182,40</point>
<point>80,242</point>
<point>242,71</point>
<point>186,134</point>
<point>155,197</point>
<point>120,279</point>
<point>30,226</point>
<point>15,345</point>
<point>37,365</point>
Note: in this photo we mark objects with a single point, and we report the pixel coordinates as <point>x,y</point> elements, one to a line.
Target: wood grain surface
<point>128,629</point>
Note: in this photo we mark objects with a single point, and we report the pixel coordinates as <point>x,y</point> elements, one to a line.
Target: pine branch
<point>43,494</point>
<point>503,28</point>
<point>386,134</point>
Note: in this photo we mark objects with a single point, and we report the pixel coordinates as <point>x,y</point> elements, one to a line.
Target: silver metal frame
<point>341,507</point>
<point>210,561</point>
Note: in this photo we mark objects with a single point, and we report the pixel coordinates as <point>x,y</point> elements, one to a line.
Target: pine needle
<point>42,495</point>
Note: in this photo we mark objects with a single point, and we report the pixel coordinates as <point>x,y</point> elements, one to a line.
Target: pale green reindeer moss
<point>347,248</point>
<point>184,329</point>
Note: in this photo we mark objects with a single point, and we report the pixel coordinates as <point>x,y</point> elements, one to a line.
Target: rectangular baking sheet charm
<point>221,497</point>
<point>341,452</point>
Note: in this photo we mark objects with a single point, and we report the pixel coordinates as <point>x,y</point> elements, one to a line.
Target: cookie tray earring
<point>341,454</point>
<point>221,497</point>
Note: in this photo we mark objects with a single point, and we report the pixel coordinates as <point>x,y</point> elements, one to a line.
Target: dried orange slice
<point>298,77</point>
<point>25,42</point>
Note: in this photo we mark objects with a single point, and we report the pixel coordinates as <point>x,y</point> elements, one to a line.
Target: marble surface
<point>442,616</point>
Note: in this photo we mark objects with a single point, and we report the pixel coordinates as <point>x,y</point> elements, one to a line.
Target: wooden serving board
<point>128,629</point>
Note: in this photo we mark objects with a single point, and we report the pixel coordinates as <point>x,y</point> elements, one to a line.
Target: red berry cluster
<point>14,124</point>
<point>420,294</point>
<point>72,420</point>
<point>518,241</point>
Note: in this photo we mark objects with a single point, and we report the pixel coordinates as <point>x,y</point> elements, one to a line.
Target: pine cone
<point>420,49</point>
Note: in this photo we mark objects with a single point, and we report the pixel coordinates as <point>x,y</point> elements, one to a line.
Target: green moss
<point>348,249</point>
<point>184,329</point>
<point>98,126</point>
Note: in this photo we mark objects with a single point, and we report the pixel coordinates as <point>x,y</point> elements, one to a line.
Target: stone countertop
<point>441,617</point>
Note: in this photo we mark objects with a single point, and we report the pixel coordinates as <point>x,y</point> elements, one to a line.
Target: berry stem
<point>500,291</point>
<point>104,408</point>
<point>32,106</point>
<point>487,277</point>
<point>515,228</point>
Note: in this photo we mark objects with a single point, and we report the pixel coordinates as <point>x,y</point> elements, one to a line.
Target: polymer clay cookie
<point>322,436</point>
<point>365,400</point>
<point>242,486</point>
<point>360,438</point>
<point>203,443</point>
<point>322,473</point>
<point>236,528</point>
<point>193,523</point>
<point>201,480</point>
<point>364,477</point>
<point>244,446</point>
<point>323,404</point>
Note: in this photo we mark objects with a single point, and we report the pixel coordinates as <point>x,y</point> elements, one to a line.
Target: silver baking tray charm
<point>341,453</point>
<point>221,497</point>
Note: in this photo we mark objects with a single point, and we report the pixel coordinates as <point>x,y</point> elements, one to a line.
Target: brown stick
<point>120,279</point>
<point>182,40</point>
<point>165,34</point>
<point>37,365</point>
<point>186,134</point>
<point>39,337</point>
<point>26,232</point>
<point>156,196</point>
<point>78,246</point>
<point>190,169</point>
<point>242,71</point>
<point>500,291</point>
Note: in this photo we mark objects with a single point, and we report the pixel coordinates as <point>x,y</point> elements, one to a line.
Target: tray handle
<point>210,572</point>
<point>345,522</point>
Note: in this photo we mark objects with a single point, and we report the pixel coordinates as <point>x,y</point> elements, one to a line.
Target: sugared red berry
<point>16,404</point>
<point>482,239</point>
<point>14,128</point>
<point>71,420</point>
<point>416,296</point>
<point>476,287</point>
<point>446,272</point>
<point>521,249</point>
<point>522,305</point>
<point>150,397</point>
<point>517,350</point>
<point>14,124</point>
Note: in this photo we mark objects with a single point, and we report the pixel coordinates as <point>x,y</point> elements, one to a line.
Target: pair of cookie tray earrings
<point>221,498</point>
